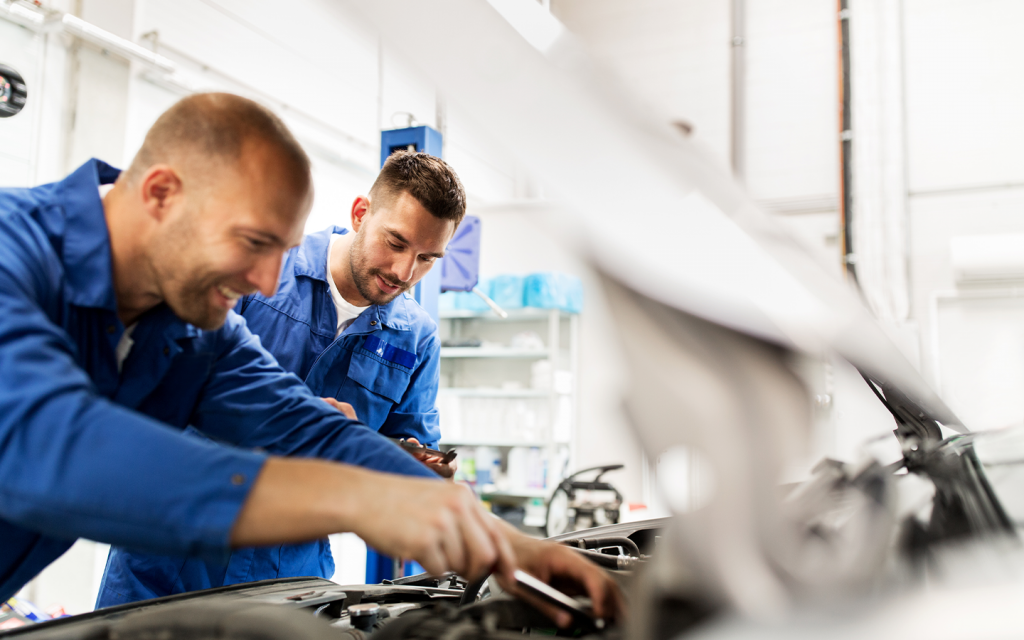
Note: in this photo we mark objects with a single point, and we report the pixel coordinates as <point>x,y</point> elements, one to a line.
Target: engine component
<point>578,504</point>
<point>364,616</point>
<point>215,619</point>
<point>625,545</point>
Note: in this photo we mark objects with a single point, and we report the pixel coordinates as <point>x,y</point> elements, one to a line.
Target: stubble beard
<point>197,309</point>
<point>364,276</point>
<point>185,288</point>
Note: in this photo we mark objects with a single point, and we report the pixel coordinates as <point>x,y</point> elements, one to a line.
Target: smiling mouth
<point>387,286</point>
<point>229,294</point>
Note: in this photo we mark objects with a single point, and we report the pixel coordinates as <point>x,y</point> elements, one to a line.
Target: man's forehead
<point>261,202</point>
<point>404,211</point>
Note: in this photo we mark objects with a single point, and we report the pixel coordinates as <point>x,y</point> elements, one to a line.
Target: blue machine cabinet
<point>422,138</point>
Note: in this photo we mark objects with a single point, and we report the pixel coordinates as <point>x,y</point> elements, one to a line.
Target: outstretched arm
<point>439,524</point>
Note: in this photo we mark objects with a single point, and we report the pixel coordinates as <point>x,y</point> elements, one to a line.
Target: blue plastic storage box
<point>554,290</point>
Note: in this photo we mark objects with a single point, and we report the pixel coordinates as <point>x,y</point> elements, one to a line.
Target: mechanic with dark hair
<point>117,339</point>
<point>342,321</point>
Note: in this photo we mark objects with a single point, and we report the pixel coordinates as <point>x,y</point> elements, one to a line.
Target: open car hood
<point>652,209</point>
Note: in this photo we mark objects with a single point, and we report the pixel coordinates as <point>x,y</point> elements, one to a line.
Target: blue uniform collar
<point>89,274</point>
<point>311,256</point>
<point>311,262</point>
<point>88,265</point>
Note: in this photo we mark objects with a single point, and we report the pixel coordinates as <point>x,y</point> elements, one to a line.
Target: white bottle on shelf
<point>518,469</point>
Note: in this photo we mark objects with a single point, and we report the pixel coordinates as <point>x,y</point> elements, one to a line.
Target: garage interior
<point>883,136</point>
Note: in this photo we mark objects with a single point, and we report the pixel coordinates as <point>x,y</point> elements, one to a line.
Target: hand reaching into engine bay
<point>566,570</point>
<point>441,525</point>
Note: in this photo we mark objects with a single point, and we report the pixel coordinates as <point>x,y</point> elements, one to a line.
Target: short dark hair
<point>219,125</point>
<point>425,177</point>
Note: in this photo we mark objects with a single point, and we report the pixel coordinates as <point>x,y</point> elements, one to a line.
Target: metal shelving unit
<point>494,392</point>
<point>492,352</point>
<point>486,398</point>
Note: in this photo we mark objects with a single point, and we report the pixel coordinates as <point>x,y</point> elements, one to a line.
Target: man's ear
<point>159,187</point>
<point>360,209</point>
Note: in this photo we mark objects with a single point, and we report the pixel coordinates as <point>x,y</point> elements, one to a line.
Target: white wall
<point>675,56</point>
<point>964,135</point>
<point>672,55</point>
<point>72,582</point>
<point>964,126</point>
<point>791,116</point>
<point>937,155</point>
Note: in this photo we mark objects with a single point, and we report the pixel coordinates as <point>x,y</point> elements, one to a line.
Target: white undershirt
<point>347,312</point>
<point>125,344</point>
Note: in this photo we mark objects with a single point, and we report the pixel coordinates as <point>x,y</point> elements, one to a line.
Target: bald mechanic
<point>116,334</point>
<point>342,322</point>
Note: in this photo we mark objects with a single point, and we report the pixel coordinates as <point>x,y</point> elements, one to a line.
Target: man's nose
<point>405,267</point>
<point>266,274</point>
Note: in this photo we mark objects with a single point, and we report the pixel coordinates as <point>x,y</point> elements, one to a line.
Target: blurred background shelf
<point>525,313</point>
<point>449,443</point>
<point>492,352</point>
<point>484,392</point>
<point>517,493</point>
<point>511,410</point>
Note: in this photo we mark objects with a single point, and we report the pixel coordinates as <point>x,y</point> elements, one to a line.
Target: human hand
<point>434,462</point>
<point>567,571</point>
<point>343,407</point>
<point>441,525</point>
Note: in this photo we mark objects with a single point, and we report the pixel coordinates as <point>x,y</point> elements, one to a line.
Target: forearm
<point>439,524</point>
<point>300,499</point>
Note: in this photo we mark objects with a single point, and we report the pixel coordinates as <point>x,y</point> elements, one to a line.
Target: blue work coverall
<point>385,364</point>
<point>86,451</point>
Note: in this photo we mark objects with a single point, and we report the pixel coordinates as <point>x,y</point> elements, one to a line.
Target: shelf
<point>493,352</point>
<point>476,375</point>
<point>525,313</point>
<point>470,442</point>
<point>516,493</point>
<point>484,392</point>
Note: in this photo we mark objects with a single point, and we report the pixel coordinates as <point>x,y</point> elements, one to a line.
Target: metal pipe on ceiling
<point>846,145</point>
<point>738,97</point>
